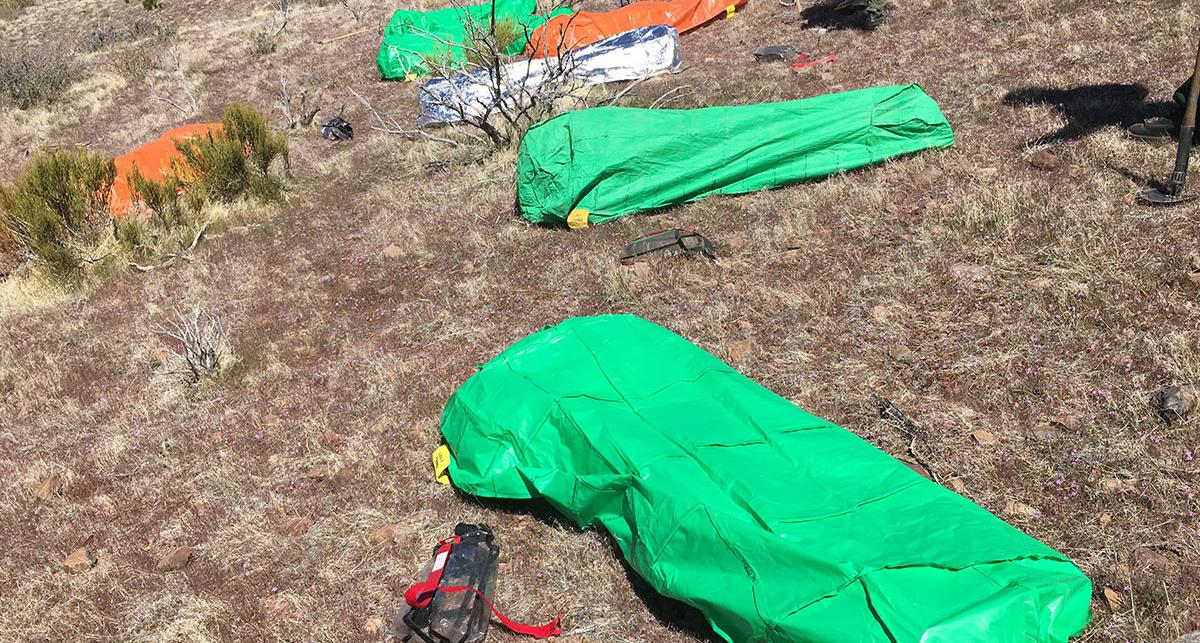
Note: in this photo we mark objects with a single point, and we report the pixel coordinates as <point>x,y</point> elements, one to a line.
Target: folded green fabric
<point>413,37</point>
<point>608,162</point>
<point>778,525</point>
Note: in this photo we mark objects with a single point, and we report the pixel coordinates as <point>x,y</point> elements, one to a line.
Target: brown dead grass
<point>1024,296</point>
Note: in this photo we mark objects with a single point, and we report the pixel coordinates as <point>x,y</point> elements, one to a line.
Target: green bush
<point>237,160</point>
<point>58,207</point>
<point>161,198</point>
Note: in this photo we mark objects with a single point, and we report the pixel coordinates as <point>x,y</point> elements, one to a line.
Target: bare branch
<point>181,75</point>
<point>281,6</point>
<point>390,126</point>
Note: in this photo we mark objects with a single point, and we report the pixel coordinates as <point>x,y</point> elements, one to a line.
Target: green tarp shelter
<point>608,162</point>
<point>412,37</point>
<point>778,525</point>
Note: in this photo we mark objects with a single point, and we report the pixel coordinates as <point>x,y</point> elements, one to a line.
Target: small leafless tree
<point>282,12</point>
<point>302,116</point>
<point>203,342</point>
<point>357,8</point>
<point>501,95</point>
<point>180,74</point>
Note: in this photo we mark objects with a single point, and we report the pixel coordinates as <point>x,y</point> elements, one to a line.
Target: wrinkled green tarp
<point>412,37</point>
<point>614,161</point>
<point>776,524</point>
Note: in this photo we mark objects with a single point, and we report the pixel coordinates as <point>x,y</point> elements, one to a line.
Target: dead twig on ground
<point>669,96</point>
<point>390,126</point>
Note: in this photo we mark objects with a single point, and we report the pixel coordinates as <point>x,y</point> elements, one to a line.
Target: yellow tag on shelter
<point>441,462</point>
<point>578,218</point>
<point>729,11</point>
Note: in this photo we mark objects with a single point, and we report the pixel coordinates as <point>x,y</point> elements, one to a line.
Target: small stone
<point>1015,508</point>
<point>385,535</point>
<point>985,437</point>
<point>278,607</point>
<point>957,485</point>
<point>386,290</point>
<point>740,349</point>
<point>1105,518</point>
<point>346,473</point>
<point>1117,485</point>
<point>175,561</point>
<point>332,440</point>
<point>1147,558</point>
<point>970,272</point>
<point>880,313</point>
<point>915,466</point>
<point>1040,283</point>
<point>1115,599</point>
<point>1046,433</point>
<point>467,268</point>
<point>373,627</point>
<point>49,486</point>
<point>1066,421</point>
<point>1194,277</point>
<point>1045,161</point>
<point>1194,262</point>
<point>928,175</point>
<point>792,255</point>
<point>393,252</point>
<point>641,270</point>
<point>1176,402</point>
<point>794,244</point>
<point>80,560</point>
<point>901,353</point>
<point>319,473</point>
<point>297,526</point>
<point>1120,571</point>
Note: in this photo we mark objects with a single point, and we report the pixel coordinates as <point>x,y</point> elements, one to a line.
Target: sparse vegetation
<point>201,342</point>
<point>58,209</point>
<point>978,289</point>
<point>241,158</point>
<point>29,78</point>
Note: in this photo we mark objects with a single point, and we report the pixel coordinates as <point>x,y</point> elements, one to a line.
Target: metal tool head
<point>1159,197</point>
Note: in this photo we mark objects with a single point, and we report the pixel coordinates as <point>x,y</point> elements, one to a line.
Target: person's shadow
<point>1089,108</point>
<point>823,16</point>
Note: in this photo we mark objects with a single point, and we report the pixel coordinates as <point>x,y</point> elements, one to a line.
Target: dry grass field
<point>1009,285</point>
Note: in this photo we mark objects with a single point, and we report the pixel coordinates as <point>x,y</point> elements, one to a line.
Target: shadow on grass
<point>668,611</point>
<point>824,16</point>
<point>1089,108</point>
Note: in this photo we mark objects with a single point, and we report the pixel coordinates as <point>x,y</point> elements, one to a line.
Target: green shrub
<point>58,207</point>
<point>161,198</point>
<point>508,33</point>
<point>237,160</point>
<point>32,78</point>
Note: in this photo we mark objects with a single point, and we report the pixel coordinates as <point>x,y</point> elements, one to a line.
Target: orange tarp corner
<point>153,160</point>
<point>566,32</point>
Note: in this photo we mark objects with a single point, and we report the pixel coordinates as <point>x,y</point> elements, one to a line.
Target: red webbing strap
<point>421,594</point>
<point>536,631</point>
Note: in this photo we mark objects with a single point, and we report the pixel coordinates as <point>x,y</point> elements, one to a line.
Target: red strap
<point>805,60</point>
<point>536,631</point>
<point>421,594</point>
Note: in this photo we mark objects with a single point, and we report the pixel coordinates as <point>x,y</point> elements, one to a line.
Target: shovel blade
<point>1158,197</point>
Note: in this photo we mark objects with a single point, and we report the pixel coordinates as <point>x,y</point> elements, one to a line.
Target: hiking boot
<point>1156,128</point>
<point>874,19</point>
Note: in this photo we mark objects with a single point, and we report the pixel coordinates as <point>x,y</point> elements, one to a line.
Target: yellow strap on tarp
<point>578,218</point>
<point>441,462</point>
<point>729,11</point>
